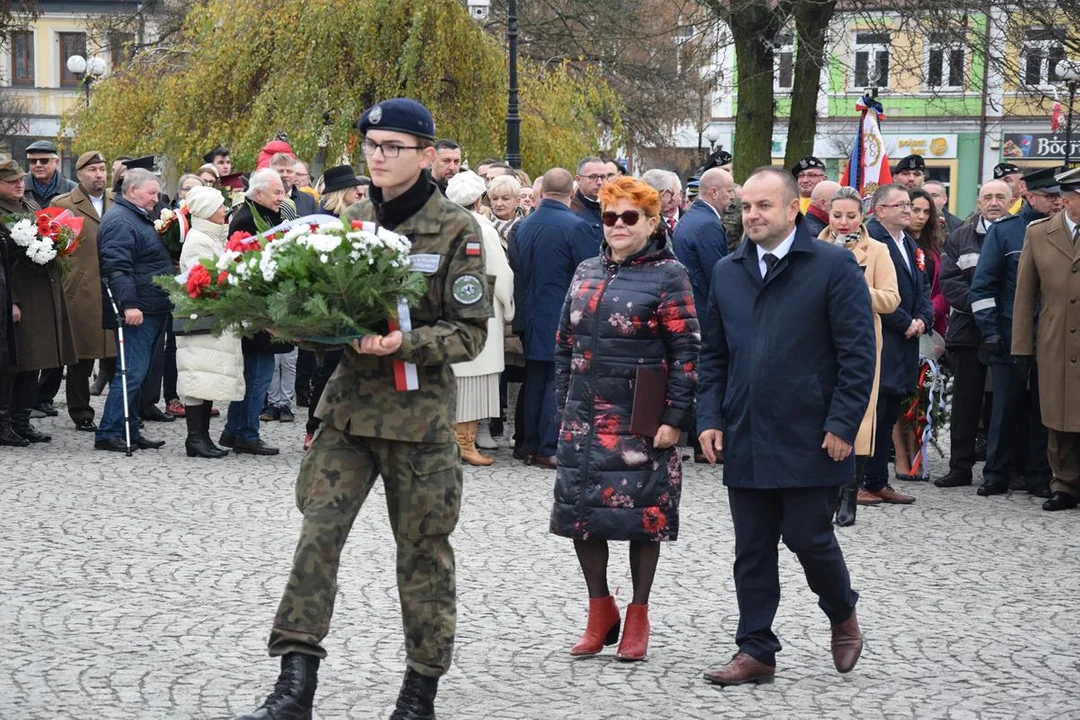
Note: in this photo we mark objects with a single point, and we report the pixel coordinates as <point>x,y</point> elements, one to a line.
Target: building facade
<point>962,109</point>
<point>33,66</point>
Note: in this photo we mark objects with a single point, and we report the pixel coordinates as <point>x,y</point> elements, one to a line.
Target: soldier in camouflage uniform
<point>369,428</point>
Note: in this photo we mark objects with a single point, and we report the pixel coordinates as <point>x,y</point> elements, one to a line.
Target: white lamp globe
<point>76,64</point>
<point>96,66</point>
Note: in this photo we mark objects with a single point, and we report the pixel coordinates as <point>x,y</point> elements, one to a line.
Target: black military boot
<point>416,701</point>
<point>8,436</point>
<point>20,422</point>
<point>294,691</point>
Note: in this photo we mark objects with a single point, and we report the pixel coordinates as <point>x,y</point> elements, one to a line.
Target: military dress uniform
<point>369,428</point>
<point>1016,438</point>
<point>1046,325</point>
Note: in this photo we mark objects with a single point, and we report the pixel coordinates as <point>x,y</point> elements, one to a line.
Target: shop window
<point>871,60</point>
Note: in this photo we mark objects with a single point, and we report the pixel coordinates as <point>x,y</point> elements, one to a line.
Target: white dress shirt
<point>903,250</point>
<point>779,251</point>
<point>99,204</point>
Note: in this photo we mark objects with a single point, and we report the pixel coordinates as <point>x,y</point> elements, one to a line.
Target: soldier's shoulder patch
<point>468,289</point>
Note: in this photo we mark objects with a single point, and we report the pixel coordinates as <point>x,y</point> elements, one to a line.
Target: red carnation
<point>198,279</point>
<point>356,225</point>
<point>241,241</point>
<point>920,259</point>
<point>222,278</point>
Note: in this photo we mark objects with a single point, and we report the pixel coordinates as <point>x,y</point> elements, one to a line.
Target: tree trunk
<point>753,27</point>
<point>811,23</point>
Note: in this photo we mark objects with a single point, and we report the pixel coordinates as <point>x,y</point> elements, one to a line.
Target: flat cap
<point>1043,180</point>
<point>89,158</point>
<point>400,115</point>
<point>911,162</point>
<point>1005,168</point>
<point>807,163</point>
<point>11,170</point>
<point>41,146</point>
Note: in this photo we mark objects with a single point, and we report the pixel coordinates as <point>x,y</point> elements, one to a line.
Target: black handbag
<point>202,325</point>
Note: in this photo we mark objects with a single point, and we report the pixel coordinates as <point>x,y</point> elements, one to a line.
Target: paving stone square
<point>144,587</point>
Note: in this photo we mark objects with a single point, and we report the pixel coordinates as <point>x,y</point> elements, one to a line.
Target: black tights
<point>593,557</point>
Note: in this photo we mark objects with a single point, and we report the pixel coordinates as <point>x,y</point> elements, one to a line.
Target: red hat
<point>271,149</point>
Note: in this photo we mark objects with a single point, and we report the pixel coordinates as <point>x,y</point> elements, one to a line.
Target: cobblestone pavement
<point>144,588</point>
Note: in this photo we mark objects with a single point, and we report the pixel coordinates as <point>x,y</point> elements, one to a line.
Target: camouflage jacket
<point>449,326</point>
<point>732,220</point>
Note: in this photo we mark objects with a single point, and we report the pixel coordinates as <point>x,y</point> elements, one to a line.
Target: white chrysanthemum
<point>324,258</point>
<point>167,215</point>
<point>331,227</point>
<point>23,233</point>
<point>321,243</point>
<point>226,259</point>
<point>296,231</point>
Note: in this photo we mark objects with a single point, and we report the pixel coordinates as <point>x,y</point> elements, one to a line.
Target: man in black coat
<point>130,256</point>
<point>592,172</point>
<point>785,375</point>
<point>546,249</point>
<point>958,261</point>
<point>941,198</point>
<point>297,203</point>
<point>900,331</point>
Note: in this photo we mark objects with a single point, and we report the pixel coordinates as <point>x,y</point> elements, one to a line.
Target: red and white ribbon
<point>405,377</point>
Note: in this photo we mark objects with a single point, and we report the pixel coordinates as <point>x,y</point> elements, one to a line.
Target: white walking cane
<point>123,362</point>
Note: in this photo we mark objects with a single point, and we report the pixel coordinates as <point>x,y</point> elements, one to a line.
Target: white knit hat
<point>204,201</point>
<point>465,187</point>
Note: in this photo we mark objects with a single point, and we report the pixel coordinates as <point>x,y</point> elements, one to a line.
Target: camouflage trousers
<point>423,496</point>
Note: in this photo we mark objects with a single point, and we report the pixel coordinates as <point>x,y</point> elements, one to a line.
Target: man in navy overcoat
<point>547,248</point>
<point>786,369</point>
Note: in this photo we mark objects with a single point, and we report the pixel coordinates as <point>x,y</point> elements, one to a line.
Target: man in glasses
<point>808,173</point>
<point>45,181</point>
<point>900,332</point>
<point>372,426</point>
<point>592,172</point>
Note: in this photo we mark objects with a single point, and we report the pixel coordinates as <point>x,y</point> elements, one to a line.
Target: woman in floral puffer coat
<point>632,307</point>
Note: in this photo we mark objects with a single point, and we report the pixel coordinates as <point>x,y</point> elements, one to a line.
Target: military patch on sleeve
<point>472,248</point>
<point>468,289</point>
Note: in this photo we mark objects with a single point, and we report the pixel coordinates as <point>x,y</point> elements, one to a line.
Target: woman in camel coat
<point>846,228</point>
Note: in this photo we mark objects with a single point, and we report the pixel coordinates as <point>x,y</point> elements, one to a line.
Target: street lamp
<point>513,119</point>
<point>1069,71</point>
<point>712,134</point>
<point>87,71</point>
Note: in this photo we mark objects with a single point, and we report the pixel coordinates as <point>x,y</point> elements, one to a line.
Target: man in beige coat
<point>82,285</point>
<point>1048,283</point>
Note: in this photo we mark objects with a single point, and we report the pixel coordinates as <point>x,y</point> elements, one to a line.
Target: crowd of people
<point>775,326</point>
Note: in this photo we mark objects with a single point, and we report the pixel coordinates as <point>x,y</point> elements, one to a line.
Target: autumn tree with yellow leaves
<point>239,72</point>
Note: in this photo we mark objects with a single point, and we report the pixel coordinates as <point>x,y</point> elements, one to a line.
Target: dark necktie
<point>1076,235</point>
<point>770,263</point>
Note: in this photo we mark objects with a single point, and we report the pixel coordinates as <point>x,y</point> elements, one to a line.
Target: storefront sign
<point>931,147</point>
<point>1037,146</point>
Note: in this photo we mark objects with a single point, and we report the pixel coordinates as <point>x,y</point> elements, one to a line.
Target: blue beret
<point>400,115</point>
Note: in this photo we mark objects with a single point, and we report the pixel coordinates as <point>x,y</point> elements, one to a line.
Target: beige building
<point>34,73</point>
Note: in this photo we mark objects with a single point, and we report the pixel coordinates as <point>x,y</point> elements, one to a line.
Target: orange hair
<point>643,196</point>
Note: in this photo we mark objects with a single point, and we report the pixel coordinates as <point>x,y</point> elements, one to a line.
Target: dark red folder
<point>650,401</point>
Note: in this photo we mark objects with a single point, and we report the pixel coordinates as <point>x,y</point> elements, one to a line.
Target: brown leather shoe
<point>740,670</point>
<point>846,644</point>
<point>546,461</point>
<point>867,498</point>
<point>888,495</point>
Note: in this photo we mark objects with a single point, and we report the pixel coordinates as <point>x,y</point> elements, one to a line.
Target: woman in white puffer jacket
<point>209,368</point>
<point>478,379</point>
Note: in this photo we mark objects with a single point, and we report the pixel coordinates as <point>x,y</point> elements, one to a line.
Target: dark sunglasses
<point>630,218</point>
<point>39,161</point>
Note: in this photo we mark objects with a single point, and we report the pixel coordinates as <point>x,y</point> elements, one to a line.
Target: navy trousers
<point>541,424</point>
<point>876,475</point>
<point>1016,438</point>
<point>802,517</point>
